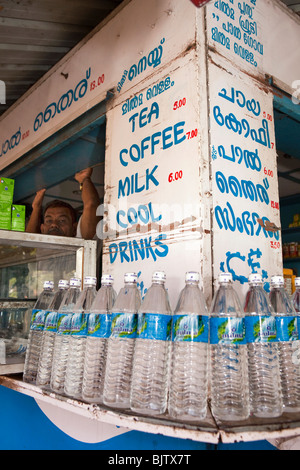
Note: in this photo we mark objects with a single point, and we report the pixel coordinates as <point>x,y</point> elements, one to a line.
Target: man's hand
<point>83,174</point>
<point>34,223</point>
<point>38,200</point>
<point>91,201</point>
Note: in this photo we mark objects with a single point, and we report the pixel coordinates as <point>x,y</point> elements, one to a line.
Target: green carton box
<point>5,216</point>
<point>18,218</point>
<point>6,190</point>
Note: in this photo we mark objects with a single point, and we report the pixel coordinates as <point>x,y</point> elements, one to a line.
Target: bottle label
<point>261,329</point>
<point>99,325</point>
<point>51,322</point>
<point>227,330</point>
<point>287,328</point>
<point>79,324</point>
<point>123,325</point>
<point>191,328</point>
<point>38,319</point>
<point>64,324</point>
<point>154,326</point>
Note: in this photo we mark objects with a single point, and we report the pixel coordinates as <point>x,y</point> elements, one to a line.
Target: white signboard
<point>260,37</point>
<point>153,193</point>
<point>236,31</point>
<point>245,187</point>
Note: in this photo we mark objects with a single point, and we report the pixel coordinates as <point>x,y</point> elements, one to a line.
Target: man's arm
<point>91,201</point>
<point>34,223</point>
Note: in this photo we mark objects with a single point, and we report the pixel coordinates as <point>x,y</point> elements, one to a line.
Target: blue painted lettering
<point>220,37</point>
<point>246,223</point>
<point>145,117</point>
<point>245,9</point>
<point>225,8</point>
<point>152,60</point>
<point>139,250</point>
<point>169,136</point>
<point>143,213</point>
<point>251,159</point>
<point>237,96</point>
<point>249,27</point>
<point>130,185</point>
<point>132,103</point>
<point>235,262</point>
<point>231,29</point>
<point>64,102</point>
<point>261,136</point>
<point>159,88</point>
<point>244,54</point>
<point>9,144</point>
<point>243,188</point>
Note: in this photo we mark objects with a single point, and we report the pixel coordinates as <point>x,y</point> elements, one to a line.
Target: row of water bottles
<point>127,353</point>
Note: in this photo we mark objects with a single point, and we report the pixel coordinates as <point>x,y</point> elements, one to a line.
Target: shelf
<point>20,247</point>
<point>209,431</point>
<point>11,368</point>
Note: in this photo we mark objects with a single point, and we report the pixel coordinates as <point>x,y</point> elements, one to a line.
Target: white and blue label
<point>261,329</point>
<point>79,324</point>
<point>154,326</point>
<point>51,322</point>
<point>38,319</point>
<point>64,324</point>
<point>190,328</point>
<point>227,330</point>
<point>123,325</point>
<point>287,328</point>
<point>99,325</point>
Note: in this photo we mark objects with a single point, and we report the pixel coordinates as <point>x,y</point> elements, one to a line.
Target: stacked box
<point>5,216</point>
<point>18,218</point>
<point>6,190</point>
<point>12,216</point>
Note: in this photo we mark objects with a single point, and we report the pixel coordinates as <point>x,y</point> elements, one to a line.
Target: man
<point>60,218</point>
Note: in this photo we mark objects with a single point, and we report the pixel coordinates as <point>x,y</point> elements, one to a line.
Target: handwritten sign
<point>235,29</point>
<point>152,195</point>
<point>245,187</point>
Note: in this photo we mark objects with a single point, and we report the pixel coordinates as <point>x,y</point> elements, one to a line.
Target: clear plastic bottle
<point>229,362</point>
<point>120,348</point>
<point>39,313</point>
<point>49,332</point>
<point>96,343</point>
<point>296,297</point>
<point>62,336</point>
<point>75,362</point>
<point>289,344</point>
<point>150,371</point>
<point>263,352</point>
<point>190,352</point>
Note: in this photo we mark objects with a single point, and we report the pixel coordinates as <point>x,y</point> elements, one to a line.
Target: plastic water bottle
<point>296,297</point>
<point>62,336</point>
<point>150,369</point>
<point>289,344</point>
<point>263,352</point>
<point>229,363</point>
<point>49,332</point>
<point>99,324</point>
<point>75,362</point>
<point>190,352</point>
<point>121,345</point>
<point>39,313</point>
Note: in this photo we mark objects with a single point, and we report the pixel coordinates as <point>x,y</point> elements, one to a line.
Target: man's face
<point>58,221</point>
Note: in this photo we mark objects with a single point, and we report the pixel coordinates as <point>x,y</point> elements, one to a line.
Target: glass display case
<point>26,262</point>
